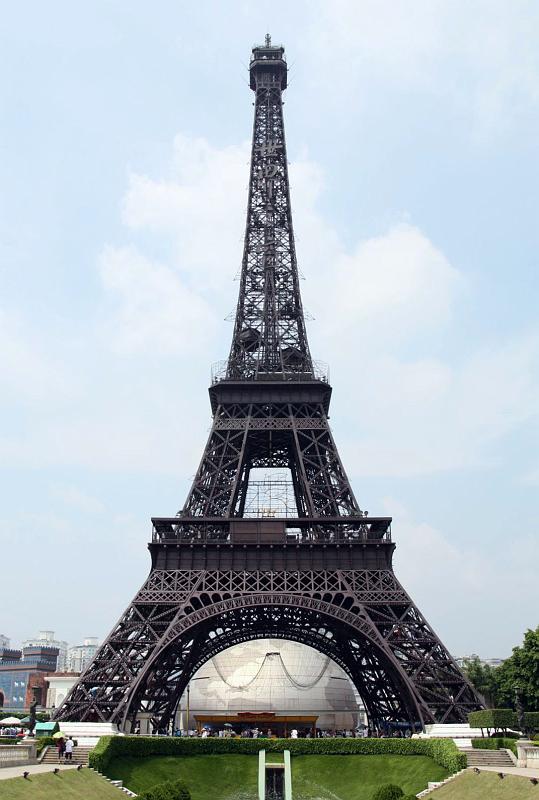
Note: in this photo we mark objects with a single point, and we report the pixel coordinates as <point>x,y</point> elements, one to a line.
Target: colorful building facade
<point>22,676</point>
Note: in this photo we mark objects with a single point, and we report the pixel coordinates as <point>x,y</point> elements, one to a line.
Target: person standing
<point>61,748</point>
<point>69,749</point>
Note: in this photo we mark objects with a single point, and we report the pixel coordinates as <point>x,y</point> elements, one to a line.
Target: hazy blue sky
<point>413,138</point>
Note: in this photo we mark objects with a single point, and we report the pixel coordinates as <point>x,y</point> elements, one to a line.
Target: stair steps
<point>80,755</point>
<point>487,758</point>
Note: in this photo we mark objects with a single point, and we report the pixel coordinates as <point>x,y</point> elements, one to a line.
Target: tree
<point>484,678</point>
<point>521,671</point>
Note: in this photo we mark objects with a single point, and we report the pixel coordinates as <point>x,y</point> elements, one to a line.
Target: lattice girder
<point>338,612</point>
<point>245,436</point>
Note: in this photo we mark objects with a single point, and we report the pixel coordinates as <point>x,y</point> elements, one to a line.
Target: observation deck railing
<point>298,531</point>
<point>320,372</point>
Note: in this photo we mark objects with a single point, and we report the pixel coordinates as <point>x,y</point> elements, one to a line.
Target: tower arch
<point>379,679</point>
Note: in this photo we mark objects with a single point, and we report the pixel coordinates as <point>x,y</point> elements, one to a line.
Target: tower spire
<point>269,332</point>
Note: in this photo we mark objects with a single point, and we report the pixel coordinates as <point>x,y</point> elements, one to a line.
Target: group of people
<point>12,731</point>
<point>65,749</point>
<point>228,732</point>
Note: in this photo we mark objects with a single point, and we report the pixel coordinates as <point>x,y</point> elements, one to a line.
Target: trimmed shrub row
<point>442,751</point>
<point>492,718</point>
<point>503,718</point>
<point>42,742</point>
<point>495,744</point>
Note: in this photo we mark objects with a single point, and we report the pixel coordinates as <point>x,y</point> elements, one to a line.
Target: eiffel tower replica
<point>219,575</point>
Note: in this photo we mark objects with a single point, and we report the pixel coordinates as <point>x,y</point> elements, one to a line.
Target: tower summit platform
<point>268,66</point>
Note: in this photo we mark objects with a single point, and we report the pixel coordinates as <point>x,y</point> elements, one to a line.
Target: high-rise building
<point>79,656</point>
<point>46,639</point>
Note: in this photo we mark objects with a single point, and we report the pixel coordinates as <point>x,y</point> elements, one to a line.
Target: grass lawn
<point>487,786</point>
<point>67,785</point>
<point>234,777</point>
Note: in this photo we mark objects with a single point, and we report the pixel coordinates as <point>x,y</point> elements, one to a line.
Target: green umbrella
<point>59,735</point>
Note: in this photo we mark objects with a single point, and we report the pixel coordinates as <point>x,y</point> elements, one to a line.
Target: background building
<point>489,662</point>
<point>58,685</point>
<point>272,675</point>
<point>46,639</point>
<point>79,656</point>
<point>4,642</point>
<point>22,676</point>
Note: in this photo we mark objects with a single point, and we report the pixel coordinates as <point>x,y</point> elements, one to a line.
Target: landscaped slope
<point>234,777</point>
<point>66,785</point>
<point>486,786</point>
<point>356,777</point>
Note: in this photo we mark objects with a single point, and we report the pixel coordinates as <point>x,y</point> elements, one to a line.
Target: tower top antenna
<point>268,40</point>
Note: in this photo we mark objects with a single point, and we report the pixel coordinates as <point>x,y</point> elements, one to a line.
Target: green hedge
<point>503,718</point>
<point>170,790</point>
<point>495,744</point>
<point>442,751</point>
<point>43,742</point>
<point>492,718</point>
<point>531,720</point>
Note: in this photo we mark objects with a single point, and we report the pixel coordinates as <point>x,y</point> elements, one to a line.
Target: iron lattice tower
<point>323,577</point>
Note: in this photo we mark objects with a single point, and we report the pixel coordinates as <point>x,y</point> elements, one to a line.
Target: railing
<point>269,530</point>
<point>320,372</point>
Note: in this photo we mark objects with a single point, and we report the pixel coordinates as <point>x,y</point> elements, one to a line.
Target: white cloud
<point>411,411</point>
<point>451,582</point>
<point>386,289</point>
<point>28,372</point>
<point>480,57</point>
<point>201,205</point>
<point>155,312</point>
<point>76,498</point>
<point>426,415</point>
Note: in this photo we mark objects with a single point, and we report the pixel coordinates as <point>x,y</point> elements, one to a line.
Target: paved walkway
<point>16,772</point>
<point>525,772</point>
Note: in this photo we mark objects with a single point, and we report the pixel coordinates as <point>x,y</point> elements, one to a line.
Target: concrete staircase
<point>80,755</point>
<point>488,758</point>
<point>88,733</point>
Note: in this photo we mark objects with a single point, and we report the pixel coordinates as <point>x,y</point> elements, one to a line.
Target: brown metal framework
<point>323,578</point>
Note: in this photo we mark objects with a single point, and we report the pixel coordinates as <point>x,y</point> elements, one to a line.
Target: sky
<point>412,132</point>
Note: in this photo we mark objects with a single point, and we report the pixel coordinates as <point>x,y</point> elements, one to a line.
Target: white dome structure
<point>270,682</point>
